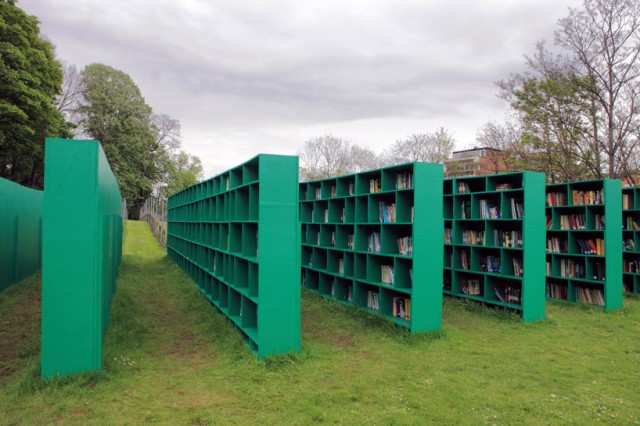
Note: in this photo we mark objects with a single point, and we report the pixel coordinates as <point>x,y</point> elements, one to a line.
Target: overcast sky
<point>245,77</point>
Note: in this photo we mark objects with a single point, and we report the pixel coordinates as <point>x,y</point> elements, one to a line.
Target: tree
<point>428,147</point>
<point>604,39</point>
<point>113,111</point>
<point>502,139</point>
<point>30,79</point>
<point>324,156</point>
<point>184,171</point>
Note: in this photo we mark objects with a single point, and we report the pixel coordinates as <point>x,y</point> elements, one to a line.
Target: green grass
<point>170,358</point>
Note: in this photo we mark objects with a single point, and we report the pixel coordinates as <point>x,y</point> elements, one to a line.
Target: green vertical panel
<point>279,260</point>
<point>20,223</point>
<point>533,231</point>
<point>80,255</point>
<point>428,251</point>
<point>613,243</point>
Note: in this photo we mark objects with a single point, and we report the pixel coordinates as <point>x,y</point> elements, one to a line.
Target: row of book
<point>447,235</point>
<point>628,244</point>
<point>554,199</point>
<point>375,185</point>
<point>401,308</point>
<point>593,246</point>
<point>517,208</point>
<point>507,238</point>
<point>573,221</point>
<point>556,291</point>
<point>464,259</point>
<point>627,202</point>
<point>404,180</point>
<point>405,246</point>
<point>589,295</point>
<point>631,224</point>
<point>557,245</point>
<point>387,212</point>
<point>470,286</point>
<point>509,294</point>
<point>488,210</point>
<point>490,264</point>
<point>587,197</point>
<point>473,236</point>
<point>572,269</point>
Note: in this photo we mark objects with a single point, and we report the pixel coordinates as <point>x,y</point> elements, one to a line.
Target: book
<point>504,186</point>
<point>374,185</point>
<point>333,191</point>
<point>341,265</point>
<point>386,274</point>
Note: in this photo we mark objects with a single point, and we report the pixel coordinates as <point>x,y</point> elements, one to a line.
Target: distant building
<point>475,162</point>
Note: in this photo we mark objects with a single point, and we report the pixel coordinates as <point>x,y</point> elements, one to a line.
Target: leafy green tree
<point>184,170</point>
<point>113,111</point>
<point>30,80</point>
<point>430,147</point>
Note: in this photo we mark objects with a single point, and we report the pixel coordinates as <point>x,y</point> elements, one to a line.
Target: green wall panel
<point>82,247</point>
<point>21,232</point>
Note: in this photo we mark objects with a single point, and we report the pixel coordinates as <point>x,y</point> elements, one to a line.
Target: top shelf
<point>383,180</point>
<point>483,184</point>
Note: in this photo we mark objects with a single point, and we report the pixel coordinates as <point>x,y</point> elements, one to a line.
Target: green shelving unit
<point>584,255</point>
<point>494,241</point>
<point>631,239</point>
<point>372,240</point>
<point>237,236</point>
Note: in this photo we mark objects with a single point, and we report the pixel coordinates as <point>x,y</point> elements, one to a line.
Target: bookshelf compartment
<point>589,294</point>
<point>595,217</point>
<point>349,210</point>
<point>504,182</point>
<point>325,284</point>
<point>486,206</point>
<point>319,259</point>
<point>334,261</point>
<point>235,238</point>
<point>361,209</point>
<point>249,314</point>
<point>305,212</point>
<point>395,305</point>
<point>320,213</point>
<point>504,291</point>
<point>396,239</point>
<point>250,172</point>
<point>235,300</point>
<point>462,207</point>
<point>336,211</point>
<point>215,290</point>
<point>311,279</point>
<point>223,301</point>
<point>250,240</point>
<point>448,257</point>
<point>470,233</point>
<point>367,238</point>
<point>328,188</point>
<point>382,208</point>
<point>360,266</point>
<point>367,296</point>
<point>348,265</point>
<point>468,285</point>
<point>403,270</point>
<point>467,185</point>
<point>241,273</point>
<point>343,290</point>
<point>235,178</point>
<point>345,237</point>
<point>368,182</point>
<point>405,207</point>
<point>327,236</point>
<point>487,260</point>
<point>312,235</point>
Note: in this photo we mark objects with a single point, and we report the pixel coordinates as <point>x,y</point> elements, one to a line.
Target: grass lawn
<point>170,358</point>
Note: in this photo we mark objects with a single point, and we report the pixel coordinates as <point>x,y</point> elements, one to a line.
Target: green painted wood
<point>82,247</point>
<point>335,211</point>
<point>631,253</point>
<point>466,262</point>
<point>236,235</point>
<point>21,225</point>
<point>574,286</point>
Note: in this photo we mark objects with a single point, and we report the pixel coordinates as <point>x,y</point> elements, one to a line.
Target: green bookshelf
<point>631,239</point>
<point>236,235</point>
<point>372,240</point>
<point>494,241</point>
<point>584,256</point>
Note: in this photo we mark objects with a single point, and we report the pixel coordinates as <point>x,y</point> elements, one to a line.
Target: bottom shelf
<point>631,282</point>
<point>390,304</point>
<point>496,290</point>
<point>587,293</point>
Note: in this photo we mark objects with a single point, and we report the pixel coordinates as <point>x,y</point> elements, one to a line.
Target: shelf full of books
<point>584,241</point>
<point>237,236</point>
<point>494,241</point>
<point>631,239</point>
<point>372,240</point>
